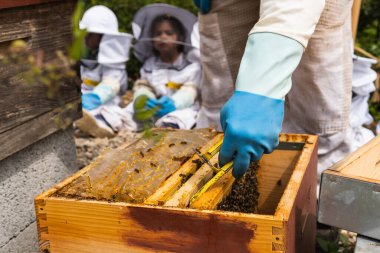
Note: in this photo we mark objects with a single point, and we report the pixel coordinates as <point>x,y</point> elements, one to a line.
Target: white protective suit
<point>105,75</point>
<point>363,85</point>
<point>179,81</point>
<point>319,101</point>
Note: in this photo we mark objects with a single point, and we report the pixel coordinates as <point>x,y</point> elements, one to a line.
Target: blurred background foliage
<point>369,27</point>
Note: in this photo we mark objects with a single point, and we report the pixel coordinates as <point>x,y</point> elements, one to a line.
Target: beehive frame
<point>71,225</point>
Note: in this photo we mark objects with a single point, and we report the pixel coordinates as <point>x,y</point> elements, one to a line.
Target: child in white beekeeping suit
<point>171,72</point>
<point>103,72</point>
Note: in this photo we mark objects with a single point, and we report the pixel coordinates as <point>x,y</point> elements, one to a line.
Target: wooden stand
<point>286,223</point>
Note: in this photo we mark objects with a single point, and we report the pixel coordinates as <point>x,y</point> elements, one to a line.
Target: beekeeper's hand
<point>165,103</point>
<point>251,124</point>
<point>252,117</point>
<point>203,5</point>
<point>90,101</point>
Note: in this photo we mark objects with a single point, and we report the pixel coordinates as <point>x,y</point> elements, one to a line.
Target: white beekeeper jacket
<point>319,101</point>
<point>106,75</point>
<point>104,72</point>
<point>179,81</point>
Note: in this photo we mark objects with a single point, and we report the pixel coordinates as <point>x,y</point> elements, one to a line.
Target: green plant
<point>341,245</point>
<point>374,109</point>
<point>369,27</point>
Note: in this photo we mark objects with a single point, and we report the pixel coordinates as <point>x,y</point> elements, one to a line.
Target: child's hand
<point>145,108</point>
<point>166,103</point>
<point>90,101</point>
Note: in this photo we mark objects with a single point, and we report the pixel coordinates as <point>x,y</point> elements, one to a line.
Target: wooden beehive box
<point>285,223</point>
<point>350,192</point>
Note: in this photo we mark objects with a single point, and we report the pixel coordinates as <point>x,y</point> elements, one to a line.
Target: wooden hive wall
<point>25,112</point>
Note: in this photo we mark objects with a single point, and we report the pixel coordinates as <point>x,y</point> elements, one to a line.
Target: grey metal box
<point>367,245</point>
<point>350,192</point>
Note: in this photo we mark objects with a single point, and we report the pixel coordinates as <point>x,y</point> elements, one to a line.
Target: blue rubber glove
<point>166,103</point>
<point>151,103</point>
<point>252,117</point>
<point>90,101</point>
<point>251,124</point>
<point>203,5</point>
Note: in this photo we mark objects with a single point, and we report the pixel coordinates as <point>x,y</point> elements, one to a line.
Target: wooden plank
<point>182,197</point>
<point>298,204</point>
<point>302,138</point>
<point>215,194</point>
<point>46,30</point>
<point>173,183</point>
<point>24,103</point>
<point>338,174</point>
<point>86,226</point>
<point>273,175</point>
<point>17,3</point>
<point>42,28</point>
<point>39,25</point>
<point>34,130</point>
<point>355,166</point>
<point>290,194</point>
<point>355,14</point>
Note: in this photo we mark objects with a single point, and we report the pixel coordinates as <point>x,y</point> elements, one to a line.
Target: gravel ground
<point>88,148</point>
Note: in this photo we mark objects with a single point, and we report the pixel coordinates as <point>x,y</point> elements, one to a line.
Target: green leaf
<point>141,113</point>
<point>333,247</point>
<point>323,244</point>
<point>344,239</point>
<point>76,47</point>
<point>140,102</point>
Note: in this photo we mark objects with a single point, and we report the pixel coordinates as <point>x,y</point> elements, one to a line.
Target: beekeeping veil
<point>142,24</point>
<point>114,45</point>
